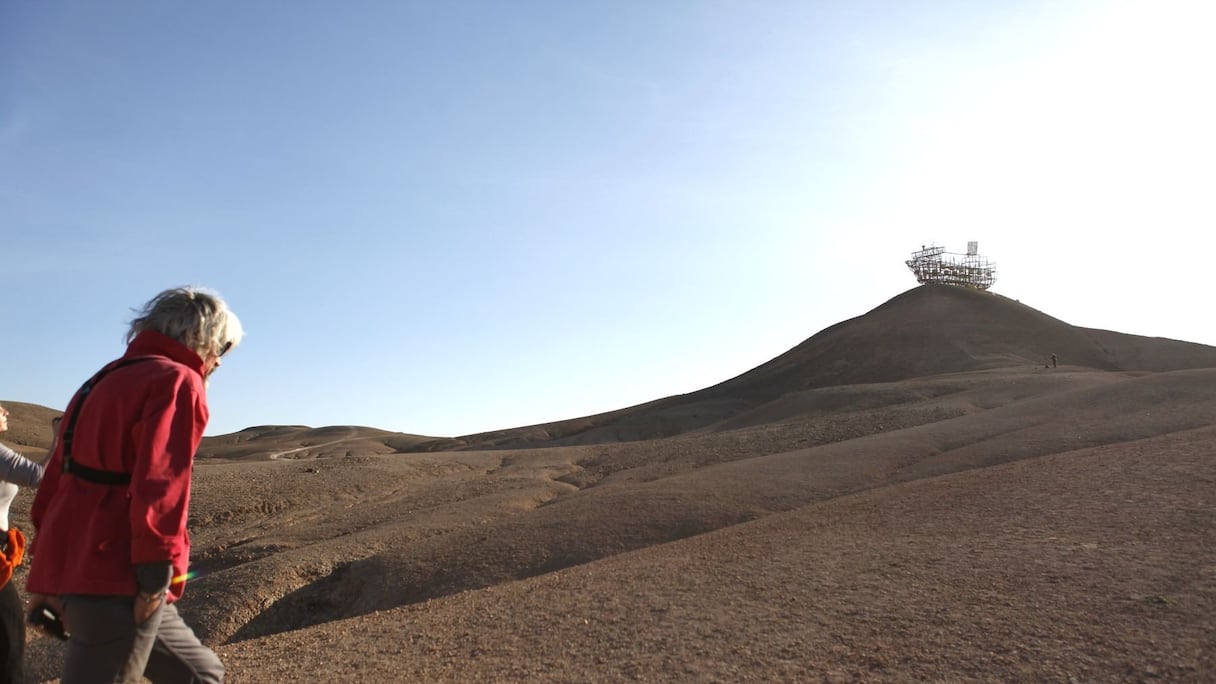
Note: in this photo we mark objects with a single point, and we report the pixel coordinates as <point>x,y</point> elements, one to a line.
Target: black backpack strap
<point>105,477</point>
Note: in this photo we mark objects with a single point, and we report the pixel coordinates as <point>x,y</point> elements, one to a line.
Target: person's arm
<point>18,469</point>
<point>42,499</point>
<point>168,433</point>
<point>46,491</point>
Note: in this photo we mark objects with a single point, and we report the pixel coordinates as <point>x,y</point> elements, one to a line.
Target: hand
<point>37,601</point>
<point>146,606</point>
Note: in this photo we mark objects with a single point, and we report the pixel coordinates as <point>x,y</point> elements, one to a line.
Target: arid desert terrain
<point>914,494</point>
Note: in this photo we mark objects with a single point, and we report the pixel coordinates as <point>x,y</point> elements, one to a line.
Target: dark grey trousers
<point>107,646</point>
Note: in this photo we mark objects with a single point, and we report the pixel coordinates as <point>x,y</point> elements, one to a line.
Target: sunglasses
<point>224,349</point>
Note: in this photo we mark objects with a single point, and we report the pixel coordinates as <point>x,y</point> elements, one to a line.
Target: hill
<point>29,428</point>
<point>928,330</point>
<point>298,442</point>
<point>907,495</point>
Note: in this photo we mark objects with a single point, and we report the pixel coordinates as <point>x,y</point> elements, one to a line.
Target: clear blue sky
<point>450,217</point>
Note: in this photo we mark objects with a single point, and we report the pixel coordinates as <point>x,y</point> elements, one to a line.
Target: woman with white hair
<point>15,470</point>
<point>111,551</point>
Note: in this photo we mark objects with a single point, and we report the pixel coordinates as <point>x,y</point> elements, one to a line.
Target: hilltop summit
<point>929,330</point>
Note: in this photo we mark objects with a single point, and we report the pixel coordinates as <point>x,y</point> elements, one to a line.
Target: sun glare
<point>1109,134</point>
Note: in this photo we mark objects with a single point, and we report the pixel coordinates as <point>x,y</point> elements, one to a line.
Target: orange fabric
<point>11,560</point>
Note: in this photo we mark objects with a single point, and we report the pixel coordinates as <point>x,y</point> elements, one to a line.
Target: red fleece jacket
<point>146,419</point>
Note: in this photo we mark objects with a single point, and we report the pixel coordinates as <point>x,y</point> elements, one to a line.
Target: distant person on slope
<point>110,548</point>
<point>15,470</point>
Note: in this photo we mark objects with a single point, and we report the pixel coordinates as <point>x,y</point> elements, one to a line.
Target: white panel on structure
<point>973,248</point>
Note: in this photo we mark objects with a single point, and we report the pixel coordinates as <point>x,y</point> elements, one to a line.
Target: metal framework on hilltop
<point>934,264</point>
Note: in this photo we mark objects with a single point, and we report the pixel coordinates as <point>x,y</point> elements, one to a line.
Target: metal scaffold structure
<point>935,265</point>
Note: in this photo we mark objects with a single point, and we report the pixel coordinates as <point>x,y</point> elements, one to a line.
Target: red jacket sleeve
<point>46,491</point>
<point>166,438</point>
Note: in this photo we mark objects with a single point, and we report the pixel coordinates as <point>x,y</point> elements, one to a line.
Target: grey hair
<point>196,317</point>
